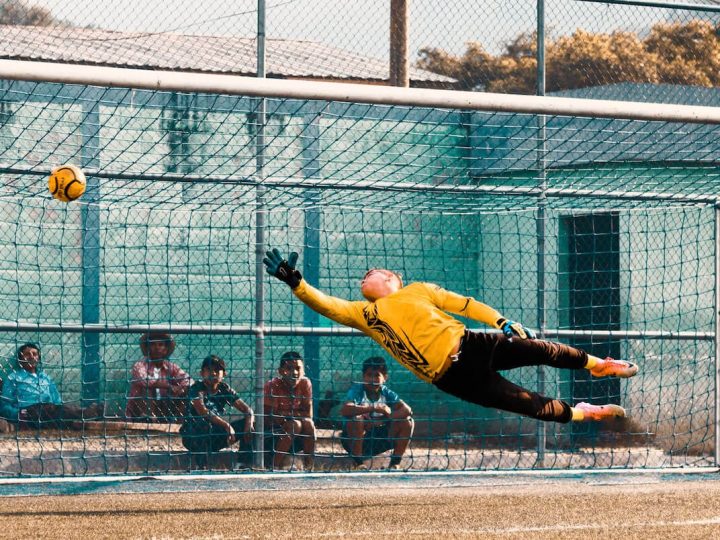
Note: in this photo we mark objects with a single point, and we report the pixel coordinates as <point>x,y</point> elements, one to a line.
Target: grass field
<point>581,505</point>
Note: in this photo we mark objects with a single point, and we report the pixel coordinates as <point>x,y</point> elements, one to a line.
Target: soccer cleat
<point>393,467</point>
<point>614,368</point>
<point>600,412</point>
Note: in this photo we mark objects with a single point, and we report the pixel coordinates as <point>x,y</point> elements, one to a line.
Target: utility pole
<point>399,63</point>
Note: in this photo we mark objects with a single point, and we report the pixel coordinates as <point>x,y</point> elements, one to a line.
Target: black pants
<point>57,416</point>
<point>377,440</point>
<point>475,378</point>
<point>204,438</point>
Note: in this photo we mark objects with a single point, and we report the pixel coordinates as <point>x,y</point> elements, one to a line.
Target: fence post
<point>716,340</point>
<point>90,341</point>
<point>311,241</point>
<point>540,221</point>
<point>260,215</point>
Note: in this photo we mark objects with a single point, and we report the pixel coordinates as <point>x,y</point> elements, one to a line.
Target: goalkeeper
<point>411,323</point>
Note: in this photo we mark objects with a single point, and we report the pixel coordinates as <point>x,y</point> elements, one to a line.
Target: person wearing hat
<point>157,385</point>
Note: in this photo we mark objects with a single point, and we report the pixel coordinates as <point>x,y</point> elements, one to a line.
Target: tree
<point>671,53</point>
<point>584,59</point>
<point>477,69</point>
<point>687,53</point>
<point>18,13</point>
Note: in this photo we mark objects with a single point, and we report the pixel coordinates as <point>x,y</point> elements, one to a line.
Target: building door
<point>590,265</point>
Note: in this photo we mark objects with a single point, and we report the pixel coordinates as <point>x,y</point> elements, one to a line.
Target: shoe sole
<point>626,373</point>
<point>608,413</point>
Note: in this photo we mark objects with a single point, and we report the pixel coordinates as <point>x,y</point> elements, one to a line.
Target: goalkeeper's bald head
<point>380,282</point>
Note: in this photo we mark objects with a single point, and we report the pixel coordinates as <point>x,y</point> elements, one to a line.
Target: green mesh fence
<point>486,45</point>
<point>166,238</point>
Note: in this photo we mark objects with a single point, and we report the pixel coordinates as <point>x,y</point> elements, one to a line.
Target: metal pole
<point>717,335</point>
<point>260,217</point>
<point>540,221</point>
<point>20,70</point>
<point>90,356</point>
<point>242,330</point>
<point>311,244</point>
<point>709,8</point>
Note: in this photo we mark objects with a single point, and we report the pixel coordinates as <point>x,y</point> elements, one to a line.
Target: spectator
<point>377,419</point>
<point>205,430</point>
<point>5,426</point>
<point>288,407</point>
<point>30,397</point>
<point>157,385</point>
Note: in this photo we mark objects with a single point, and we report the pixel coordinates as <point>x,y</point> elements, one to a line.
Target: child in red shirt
<point>289,410</point>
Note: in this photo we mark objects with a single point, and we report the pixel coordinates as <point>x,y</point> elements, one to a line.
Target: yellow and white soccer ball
<point>67,182</point>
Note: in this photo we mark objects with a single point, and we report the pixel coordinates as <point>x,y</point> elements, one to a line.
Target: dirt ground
<point>499,508</point>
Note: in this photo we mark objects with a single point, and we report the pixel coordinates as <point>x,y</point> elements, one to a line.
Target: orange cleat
<point>614,368</point>
<point>600,412</point>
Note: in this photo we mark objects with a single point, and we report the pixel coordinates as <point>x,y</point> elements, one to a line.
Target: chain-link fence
<point>167,232</point>
<point>458,44</point>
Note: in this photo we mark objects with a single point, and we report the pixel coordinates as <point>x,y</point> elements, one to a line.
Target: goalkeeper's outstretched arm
<point>337,309</point>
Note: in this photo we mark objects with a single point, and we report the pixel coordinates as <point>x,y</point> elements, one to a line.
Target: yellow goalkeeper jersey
<point>411,324</point>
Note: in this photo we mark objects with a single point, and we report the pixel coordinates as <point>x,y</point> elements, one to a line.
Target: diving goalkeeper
<point>411,323</point>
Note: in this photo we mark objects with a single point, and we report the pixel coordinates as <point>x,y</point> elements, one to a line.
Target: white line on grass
<point>559,473</point>
<point>518,530</point>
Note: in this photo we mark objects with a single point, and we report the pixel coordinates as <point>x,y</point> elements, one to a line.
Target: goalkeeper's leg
<point>474,377</point>
<point>510,354</point>
<point>492,390</point>
<point>499,393</point>
<point>505,395</point>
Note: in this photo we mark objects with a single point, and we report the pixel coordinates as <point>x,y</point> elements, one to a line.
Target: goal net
<point>597,228</point>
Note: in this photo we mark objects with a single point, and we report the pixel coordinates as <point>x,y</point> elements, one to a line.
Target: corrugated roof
<point>511,139</point>
<point>214,54</point>
<point>648,93</point>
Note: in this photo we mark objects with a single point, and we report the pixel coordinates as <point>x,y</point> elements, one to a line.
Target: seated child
<point>30,397</point>
<point>289,409</point>
<point>204,430</point>
<point>377,419</point>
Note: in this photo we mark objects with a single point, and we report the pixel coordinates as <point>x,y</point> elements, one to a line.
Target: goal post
<point>176,81</point>
<point>441,186</point>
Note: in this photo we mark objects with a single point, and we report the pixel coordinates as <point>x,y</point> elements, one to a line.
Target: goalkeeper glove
<point>283,269</point>
<point>512,329</point>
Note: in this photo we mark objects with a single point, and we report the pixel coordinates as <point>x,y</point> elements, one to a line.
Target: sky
<point>359,25</point>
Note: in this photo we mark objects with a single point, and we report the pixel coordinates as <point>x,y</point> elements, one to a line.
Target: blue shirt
<point>22,389</point>
<point>358,396</point>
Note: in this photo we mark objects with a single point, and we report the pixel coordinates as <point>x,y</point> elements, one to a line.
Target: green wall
<point>182,253</point>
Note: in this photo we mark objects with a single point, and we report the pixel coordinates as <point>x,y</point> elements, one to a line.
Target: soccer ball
<point>67,183</point>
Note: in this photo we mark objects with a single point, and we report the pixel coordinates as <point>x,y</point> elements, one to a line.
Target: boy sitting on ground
<point>204,430</point>
<point>377,419</point>
<point>289,408</point>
